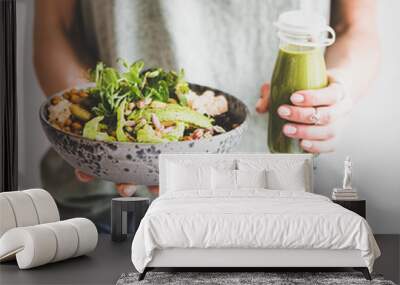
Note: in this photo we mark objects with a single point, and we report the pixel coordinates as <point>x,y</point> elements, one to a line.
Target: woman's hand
<point>313,116</point>
<point>123,189</point>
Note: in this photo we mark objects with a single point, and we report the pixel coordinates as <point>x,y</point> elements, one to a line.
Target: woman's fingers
<point>154,189</point>
<point>306,115</point>
<point>318,146</point>
<point>125,189</point>
<point>83,177</point>
<point>319,97</point>
<point>309,132</point>
<point>262,103</point>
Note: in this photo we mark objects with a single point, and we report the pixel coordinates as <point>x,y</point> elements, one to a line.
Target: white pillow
<point>223,179</point>
<point>251,178</point>
<point>183,177</point>
<point>281,174</point>
<point>293,180</point>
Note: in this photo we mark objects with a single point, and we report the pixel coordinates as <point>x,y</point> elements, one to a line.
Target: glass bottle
<point>300,65</point>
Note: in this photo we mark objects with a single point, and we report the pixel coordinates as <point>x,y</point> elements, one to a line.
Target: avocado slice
<point>121,137</point>
<point>90,130</point>
<point>175,112</point>
<point>148,135</point>
<point>176,133</point>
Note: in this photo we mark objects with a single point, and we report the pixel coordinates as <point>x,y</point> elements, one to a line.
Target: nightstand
<point>126,214</point>
<point>357,206</point>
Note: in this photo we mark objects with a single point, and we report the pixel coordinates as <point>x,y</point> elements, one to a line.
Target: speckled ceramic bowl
<point>138,162</point>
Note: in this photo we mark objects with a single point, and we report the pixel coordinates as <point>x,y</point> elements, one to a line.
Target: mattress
<point>250,219</point>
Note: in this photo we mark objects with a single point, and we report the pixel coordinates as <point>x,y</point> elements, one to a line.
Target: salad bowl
<point>133,162</point>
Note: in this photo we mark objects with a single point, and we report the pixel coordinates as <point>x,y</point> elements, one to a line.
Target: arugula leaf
<point>114,89</point>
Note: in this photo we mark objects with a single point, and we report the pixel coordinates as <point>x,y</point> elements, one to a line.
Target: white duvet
<point>250,219</point>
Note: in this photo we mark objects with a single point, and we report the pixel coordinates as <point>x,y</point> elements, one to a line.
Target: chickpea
<point>66,95</point>
<point>55,100</point>
<point>75,99</point>
<point>67,122</point>
<point>59,124</point>
<point>76,126</point>
<point>83,94</point>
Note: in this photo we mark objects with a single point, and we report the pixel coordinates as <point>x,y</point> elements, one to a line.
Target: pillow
<point>184,177</point>
<point>223,179</point>
<point>281,174</point>
<point>251,178</point>
<point>293,180</point>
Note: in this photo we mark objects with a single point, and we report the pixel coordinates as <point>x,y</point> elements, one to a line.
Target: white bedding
<point>253,218</point>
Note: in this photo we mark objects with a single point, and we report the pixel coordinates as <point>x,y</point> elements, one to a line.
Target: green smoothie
<point>296,68</point>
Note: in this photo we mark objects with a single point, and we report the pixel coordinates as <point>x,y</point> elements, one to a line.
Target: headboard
<point>210,159</point>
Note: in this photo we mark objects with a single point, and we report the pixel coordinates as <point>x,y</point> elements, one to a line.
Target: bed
<point>247,210</point>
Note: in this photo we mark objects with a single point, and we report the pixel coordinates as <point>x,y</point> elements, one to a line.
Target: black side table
<point>357,206</point>
<point>126,214</point>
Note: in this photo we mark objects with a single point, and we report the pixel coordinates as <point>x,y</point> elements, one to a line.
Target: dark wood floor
<point>110,260</point>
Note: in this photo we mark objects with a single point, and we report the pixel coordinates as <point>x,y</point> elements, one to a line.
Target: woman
<point>230,45</point>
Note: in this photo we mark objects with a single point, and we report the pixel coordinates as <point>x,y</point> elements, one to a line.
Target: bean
<point>76,126</point>
<point>55,100</point>
<point>197,134</point>
<point>140,104</point>
<point>67,122</point>
<point>75,99</point>
<point>83,94</point>
<point>130,123</point>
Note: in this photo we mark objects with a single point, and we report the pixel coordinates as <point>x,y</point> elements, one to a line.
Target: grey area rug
<point>269,278</point>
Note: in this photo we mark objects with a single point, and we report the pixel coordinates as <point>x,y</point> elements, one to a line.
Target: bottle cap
<point>304,28</point>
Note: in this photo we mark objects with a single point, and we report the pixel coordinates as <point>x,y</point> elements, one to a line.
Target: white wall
<point>372,137</point>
